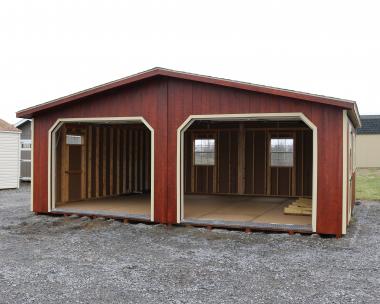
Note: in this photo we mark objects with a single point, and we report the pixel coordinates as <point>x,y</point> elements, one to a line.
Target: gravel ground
<point>47,259</point>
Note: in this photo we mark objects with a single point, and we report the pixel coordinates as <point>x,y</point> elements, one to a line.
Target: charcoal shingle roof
<point>370,124</point>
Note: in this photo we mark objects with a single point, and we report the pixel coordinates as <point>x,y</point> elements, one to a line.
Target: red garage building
<point>173,147</point>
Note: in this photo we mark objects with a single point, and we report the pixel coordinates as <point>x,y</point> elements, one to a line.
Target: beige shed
<point>368,142</point>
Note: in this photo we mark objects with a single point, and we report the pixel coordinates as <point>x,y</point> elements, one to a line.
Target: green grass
<point>368,184</point>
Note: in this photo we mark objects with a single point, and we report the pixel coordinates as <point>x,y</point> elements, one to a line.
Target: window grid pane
<point>282,152</point>
<point>73,139</point>
<point>204,152</point>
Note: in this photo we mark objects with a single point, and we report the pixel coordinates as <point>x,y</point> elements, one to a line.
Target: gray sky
<point>53,48</point>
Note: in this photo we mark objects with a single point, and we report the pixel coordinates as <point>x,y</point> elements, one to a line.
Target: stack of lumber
<point>301,206</point>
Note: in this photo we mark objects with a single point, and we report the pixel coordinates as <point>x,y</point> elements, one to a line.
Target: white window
<point>26,144</point>
<point>73,139</point>
<point>281,152</point>
<point>204,152</point>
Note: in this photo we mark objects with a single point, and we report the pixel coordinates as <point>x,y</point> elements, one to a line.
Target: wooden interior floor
<point>135,204</point>
<point>240,209</point>
<point>227,208</point>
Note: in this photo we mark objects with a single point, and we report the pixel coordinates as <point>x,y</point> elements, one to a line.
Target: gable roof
<point>370,124</point>
<point>343,103</point>
<point>21,122</point>
<point>7,127</point>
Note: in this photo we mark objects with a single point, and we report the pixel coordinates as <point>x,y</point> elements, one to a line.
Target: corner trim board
<point>344,175</point>
<point>31,164</point>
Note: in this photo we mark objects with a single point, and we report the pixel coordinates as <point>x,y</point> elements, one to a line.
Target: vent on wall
<point>73,139</point>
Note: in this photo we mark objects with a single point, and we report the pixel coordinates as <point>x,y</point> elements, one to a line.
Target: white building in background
<point>9,156</point>
<point>368,142</point>
<point>25,126</point>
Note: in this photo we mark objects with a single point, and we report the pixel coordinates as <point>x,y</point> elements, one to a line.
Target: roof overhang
<point>21,122</point>
<point>342,103</point>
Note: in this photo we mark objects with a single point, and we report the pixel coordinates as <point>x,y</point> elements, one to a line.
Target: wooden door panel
<point>75,172</point>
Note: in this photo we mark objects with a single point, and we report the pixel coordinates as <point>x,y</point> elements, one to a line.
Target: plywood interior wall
<point>114,159</point>
<point>243,159</point>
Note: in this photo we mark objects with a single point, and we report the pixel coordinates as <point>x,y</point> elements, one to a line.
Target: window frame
<point>27,142</point>
<point>202,152</point>
<point>74,137</point>
<point>282,137</point>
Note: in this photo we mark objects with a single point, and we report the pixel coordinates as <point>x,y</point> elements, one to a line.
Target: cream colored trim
<point>344,188</point>
<point>15,132</point>
<point>352,139</point>
<point>357,115</point>
<point>51,152</point>
<point>354,149</point>
<point>19,162</point>
<point>351,165</point>
<point>250,116</point>
<point>31,165</point>
<point>51,164</point>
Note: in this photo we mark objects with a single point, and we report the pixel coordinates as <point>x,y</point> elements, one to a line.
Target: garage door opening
<point>102,168</point>
<point>248,172</point>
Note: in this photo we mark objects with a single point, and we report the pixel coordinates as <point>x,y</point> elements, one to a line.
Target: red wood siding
<point>147,99</point>
<point>186,98</point>
<point>166,103</point>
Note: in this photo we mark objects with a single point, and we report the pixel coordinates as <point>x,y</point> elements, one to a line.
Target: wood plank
<point>136,161</point>
<point>89,162</point>
<point>65,166</point>
<point>193,176</point>
<point>118,161</point>
<point>268,163</point>
<point>253,162</point>
<point>293,192</point>
<point>289,211</point>
<point>301,206</point>
<point>141,146</point>
<point>206,169</point>
<point>124,160</point>
<point>130,136</point>
<point>111,161</point>
<point>164,183</point>
<point>97,152</point>
<point>104,162</point>
<point>302,164</point>
<point>241,159</point>
<point>259,163</point>
<point>218,166</point>
<point>84,165</point>
<point>212,170</point>
<point>229,162</point>
<point>147,158</point>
